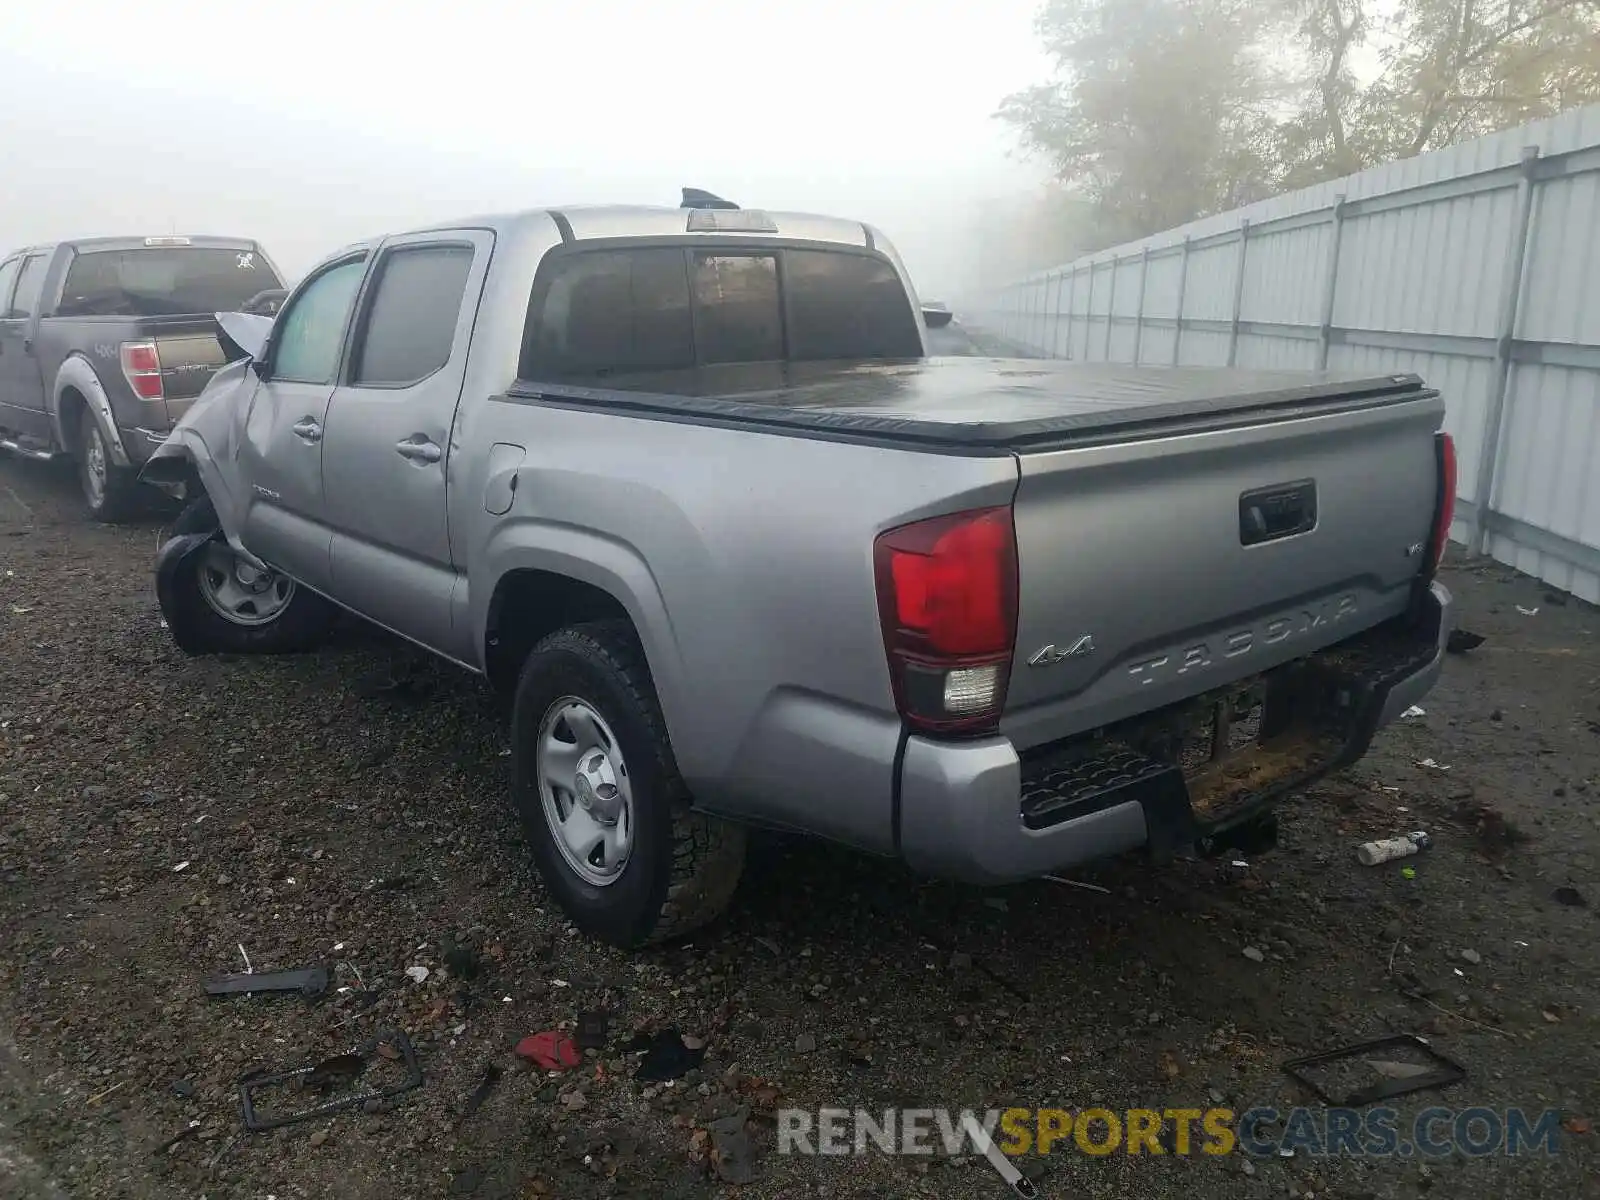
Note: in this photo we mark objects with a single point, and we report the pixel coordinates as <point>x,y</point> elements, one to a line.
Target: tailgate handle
<point>1280,511</point>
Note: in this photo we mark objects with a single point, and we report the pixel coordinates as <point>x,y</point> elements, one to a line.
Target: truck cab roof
<point>138,242</point>
<point>604,221</point>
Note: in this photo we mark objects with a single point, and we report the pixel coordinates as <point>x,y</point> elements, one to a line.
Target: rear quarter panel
<point>745,560</point>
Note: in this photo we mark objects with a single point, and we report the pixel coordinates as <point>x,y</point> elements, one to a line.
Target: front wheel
<point>110,492</point>
<point>215,602</point>
<point>598,791</point>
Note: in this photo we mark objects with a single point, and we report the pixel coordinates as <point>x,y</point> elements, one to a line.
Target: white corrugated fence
<point>1476,267</point>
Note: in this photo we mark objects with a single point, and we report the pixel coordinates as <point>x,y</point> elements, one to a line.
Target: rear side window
<point>161,281</point>
<point>308,336</point>
<point>848,306</point>
<point>411,318</point>
<point>612,311</point>
<point>30,282</point>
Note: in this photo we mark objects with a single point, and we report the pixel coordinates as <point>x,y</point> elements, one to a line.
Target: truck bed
<point>983,405</point>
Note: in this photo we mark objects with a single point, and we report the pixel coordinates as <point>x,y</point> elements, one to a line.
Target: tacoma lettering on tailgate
<point>1228,646</point>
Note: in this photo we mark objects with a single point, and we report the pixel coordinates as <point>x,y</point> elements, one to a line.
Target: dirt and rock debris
<point>164,821</point>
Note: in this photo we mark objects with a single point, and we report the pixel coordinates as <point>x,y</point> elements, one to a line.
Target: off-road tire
<point>198,629</point>
<point>121,497</point>
<point>684,866</point>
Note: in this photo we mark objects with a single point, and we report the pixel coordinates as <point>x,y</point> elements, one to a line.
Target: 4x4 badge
<point>1050,655</point>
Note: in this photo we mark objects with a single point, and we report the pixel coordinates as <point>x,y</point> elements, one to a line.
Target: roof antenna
<point>695,198</point>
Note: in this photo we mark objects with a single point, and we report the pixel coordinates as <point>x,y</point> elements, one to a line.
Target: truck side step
<point>26,447</point>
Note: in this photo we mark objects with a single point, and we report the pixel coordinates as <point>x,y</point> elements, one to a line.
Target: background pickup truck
<point>684,483</point>
<point>105,342</point>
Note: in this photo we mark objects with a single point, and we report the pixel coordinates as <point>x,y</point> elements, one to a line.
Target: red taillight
<point>141,366</point>
<point>947,598</point>
<point>1444,510</point>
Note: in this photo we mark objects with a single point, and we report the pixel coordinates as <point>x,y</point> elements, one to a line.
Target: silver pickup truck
<point>685,484</point>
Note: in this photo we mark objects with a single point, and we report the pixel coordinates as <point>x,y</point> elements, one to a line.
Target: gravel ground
<point>163,817</point>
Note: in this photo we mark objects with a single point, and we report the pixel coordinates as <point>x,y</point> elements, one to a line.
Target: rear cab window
<point>161,281</point>
<point>598,314</point>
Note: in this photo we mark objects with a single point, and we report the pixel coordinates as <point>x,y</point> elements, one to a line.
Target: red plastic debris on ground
<point>551,1050</point>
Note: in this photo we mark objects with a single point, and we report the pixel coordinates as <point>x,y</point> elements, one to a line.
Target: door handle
<point>419,449</point>
<point>307,430</point>
<point>27,345</point>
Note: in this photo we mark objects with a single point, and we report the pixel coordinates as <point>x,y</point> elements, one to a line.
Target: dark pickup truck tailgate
<point>189,353</point>
<point>189,358</point>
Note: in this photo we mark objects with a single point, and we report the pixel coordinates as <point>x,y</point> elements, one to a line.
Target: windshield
<point>163,281</point>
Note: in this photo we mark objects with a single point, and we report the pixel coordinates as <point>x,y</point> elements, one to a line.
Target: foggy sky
<point>311,124</point>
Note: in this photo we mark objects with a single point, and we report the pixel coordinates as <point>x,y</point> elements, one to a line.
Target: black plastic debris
<point>594,1030</point>
<point>1396,1077</point>
<point>189,1131</point>
<point>1460,641</point>
<point>1571,897</point>
<point>310,983</point>
<point>460,958</point>
<point>491,1076</point>
<point>665,1056</point>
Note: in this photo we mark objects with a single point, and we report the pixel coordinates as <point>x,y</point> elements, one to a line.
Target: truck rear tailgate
<point>1155,569</point>
<point>189,358</point>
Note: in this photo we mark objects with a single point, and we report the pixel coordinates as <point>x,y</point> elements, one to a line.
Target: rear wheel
<point>215,601</point>
<point>596,786</point>
<point>110,492</point>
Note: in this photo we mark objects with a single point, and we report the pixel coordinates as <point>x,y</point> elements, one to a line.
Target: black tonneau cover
<point>995,404</point>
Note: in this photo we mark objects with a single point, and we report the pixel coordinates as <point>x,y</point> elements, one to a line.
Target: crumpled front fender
<point>208,436</point>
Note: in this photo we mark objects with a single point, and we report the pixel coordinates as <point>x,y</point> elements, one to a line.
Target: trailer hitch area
<point>311,983</point>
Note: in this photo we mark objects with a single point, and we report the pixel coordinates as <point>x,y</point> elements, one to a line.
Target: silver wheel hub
<point>584,790</point>
<point>239,592</point>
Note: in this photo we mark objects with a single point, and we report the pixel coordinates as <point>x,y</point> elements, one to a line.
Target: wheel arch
<point>78,387</point>
<point>565,577</point>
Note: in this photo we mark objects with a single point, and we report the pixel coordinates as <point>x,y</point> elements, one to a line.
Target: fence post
<point>1032,324</point>
<point>1069,281</point>
<point>1072,313</point>
<point>1183,286</point>
<point>1138,327</point>
<point>1330,286</point>
<point>1238,291</point>
<point>1055,317</point>
<point>1111,310</point>
<point>1510,299</point>
<point>1088,313</point>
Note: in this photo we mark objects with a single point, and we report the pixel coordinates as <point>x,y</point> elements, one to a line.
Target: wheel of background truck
<point>605,812</point>
<point>216,603</point>
<point>110,491</point>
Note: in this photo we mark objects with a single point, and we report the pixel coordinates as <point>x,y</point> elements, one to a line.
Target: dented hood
<point>243,334</point>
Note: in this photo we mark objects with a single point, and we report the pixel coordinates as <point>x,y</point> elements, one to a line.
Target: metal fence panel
<point>1477,267</point>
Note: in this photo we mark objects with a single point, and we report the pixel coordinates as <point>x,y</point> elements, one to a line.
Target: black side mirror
<point>936,316</point>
